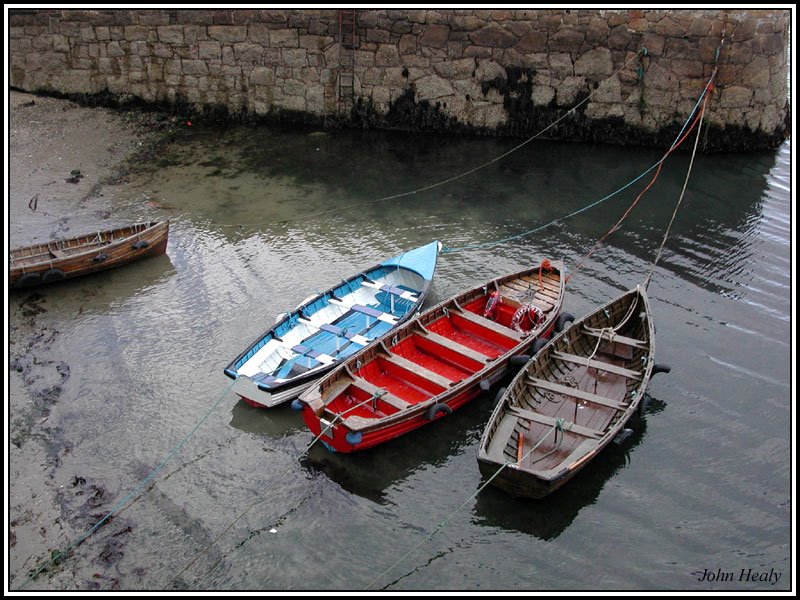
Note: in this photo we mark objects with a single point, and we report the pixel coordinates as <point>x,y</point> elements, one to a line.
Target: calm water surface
<point>703,484</point>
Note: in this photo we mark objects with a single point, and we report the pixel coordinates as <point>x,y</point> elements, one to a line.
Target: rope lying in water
<point>437,184</point>
<point>557,426</point>
<point>709,87</point>
<point>261,496</point>
<point>678,140</point>
<point>60,555</point>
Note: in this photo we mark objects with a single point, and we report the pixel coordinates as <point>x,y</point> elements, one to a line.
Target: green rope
<point>476,245</point>
<point>261,496</point>
<point>58,556</point>
<point>559,425</point>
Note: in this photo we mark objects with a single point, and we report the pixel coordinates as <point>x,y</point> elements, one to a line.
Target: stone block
<point>568,90</point>
<point>435,35</point>
<point>387,56</point>
<point>294,57</point>
<point>560,65</point>
<point>258,33</point>
<point>595,63</point>
<point>135,33</point>
<point>247,53</point>
<point>431,87</point>
<point>209,50</point>
<point>455,69</point>
<point>542,95</point>
<point>532,42</point>
<point>493,36</point>
<point>284,38</point>
<point>228,33</point>
<point>194,67</point>
<point>608,91</point>
<point>736,97</point>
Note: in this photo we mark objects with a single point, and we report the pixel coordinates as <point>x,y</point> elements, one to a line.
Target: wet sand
<point>67,170</point>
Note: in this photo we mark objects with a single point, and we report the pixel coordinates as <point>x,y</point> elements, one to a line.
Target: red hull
<point>338,441</point>
<point>435,364</point>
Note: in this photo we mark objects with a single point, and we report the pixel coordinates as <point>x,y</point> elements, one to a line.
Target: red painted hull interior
<point>444,361</point>
<point>426,364</point>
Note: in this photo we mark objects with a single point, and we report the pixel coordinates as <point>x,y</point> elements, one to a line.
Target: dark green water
<point>704,484</point>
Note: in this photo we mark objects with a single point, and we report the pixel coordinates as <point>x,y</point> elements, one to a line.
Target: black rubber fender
<point>140,244</point>
<point>53,275</point>
<point>519,360</point>
<point>538,345</point>
<point>562,320</point>
<point>643,404</point>
<point>622,436</point>
<point>437,408</point>
<point>657,368</point>
<point>499,396</point>
<point>100,257</point>
<point>29,279</point>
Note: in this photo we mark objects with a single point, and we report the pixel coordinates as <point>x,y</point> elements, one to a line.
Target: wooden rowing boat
<point>73,257</point>
<point>436,362</point>
<point>326,328</point>
<point>571,400</point>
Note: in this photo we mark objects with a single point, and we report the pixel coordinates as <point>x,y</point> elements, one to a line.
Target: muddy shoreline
<point>67,169</point>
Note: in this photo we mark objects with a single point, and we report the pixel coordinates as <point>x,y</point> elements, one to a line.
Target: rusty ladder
<point>348,42</point>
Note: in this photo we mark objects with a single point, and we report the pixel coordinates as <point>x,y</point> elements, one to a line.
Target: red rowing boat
<point>436,362</point>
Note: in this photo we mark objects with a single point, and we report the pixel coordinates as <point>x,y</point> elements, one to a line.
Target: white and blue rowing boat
<point>308,342</point>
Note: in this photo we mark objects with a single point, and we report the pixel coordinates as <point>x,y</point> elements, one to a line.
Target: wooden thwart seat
<point>376,314</point>
<point>619,339</point>
<point>576,393</point>
<point>382,394</point>
<point>488,324</point>
<point>455,346</point>
<point>550,421</point>
<point>390,289</point>
<point>597,364</point>
<point>413,367</point>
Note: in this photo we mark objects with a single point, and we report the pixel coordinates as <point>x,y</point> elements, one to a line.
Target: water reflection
<point>371,473</point>
<point>549,517</point>
<point>97,293</point>
<point>277,187</point>
<point>280,421</point>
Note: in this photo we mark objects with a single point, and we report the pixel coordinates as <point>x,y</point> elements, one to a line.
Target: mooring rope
<point>709,87</point>
<point>59,555</point>
<point>657,165</point>
<point>559,425</point>
<point>633,204</point>
<point>261,496</point>
<point>642,51</point>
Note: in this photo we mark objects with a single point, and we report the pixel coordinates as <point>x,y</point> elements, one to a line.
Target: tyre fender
<point>538,345</point>
<point>437,408</point>
<point>29,279</point>
<point>53,275</point>
<point>562,320</point>
<point>519,360</point>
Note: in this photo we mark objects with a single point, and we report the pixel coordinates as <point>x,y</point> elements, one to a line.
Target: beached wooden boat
<point>571,400</point>
<point>436,362</point>
<point>73,257</point>
<point>326,328</point>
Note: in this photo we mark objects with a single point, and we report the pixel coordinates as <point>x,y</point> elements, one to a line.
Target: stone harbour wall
<point>635,75</point>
